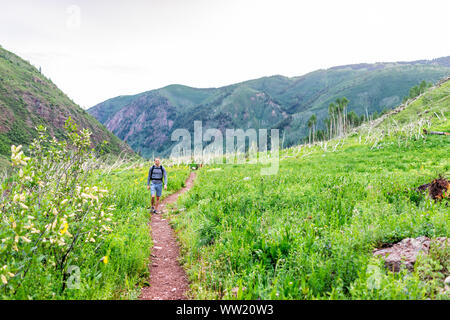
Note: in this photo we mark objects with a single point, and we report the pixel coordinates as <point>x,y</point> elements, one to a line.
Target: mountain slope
<point>29,99</point>
<point>147,120</point>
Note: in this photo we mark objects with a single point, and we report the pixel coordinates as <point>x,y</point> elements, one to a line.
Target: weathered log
<point>441,133</point>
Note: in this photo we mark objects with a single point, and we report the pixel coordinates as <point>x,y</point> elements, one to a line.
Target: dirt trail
<point>168,280</point>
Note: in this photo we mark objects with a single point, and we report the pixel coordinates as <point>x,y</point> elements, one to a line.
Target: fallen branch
<point>441,133</point>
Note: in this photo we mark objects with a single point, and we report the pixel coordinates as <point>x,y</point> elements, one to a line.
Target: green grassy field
<point>128,246</point>
<point>109,264</point>
<point>305,233</point>
<point>308,232</point>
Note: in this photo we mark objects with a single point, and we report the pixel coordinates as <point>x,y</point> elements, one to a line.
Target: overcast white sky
<point>95,50</point>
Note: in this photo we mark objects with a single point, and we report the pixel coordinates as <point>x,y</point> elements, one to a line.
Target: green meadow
<point>74,227</point>
<point>308,232</point>
<point>82,235</point>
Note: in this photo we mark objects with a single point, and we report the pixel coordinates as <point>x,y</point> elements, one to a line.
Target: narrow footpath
<point>168,280</point>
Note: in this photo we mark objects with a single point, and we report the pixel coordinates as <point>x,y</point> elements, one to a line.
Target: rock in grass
<point>405,252</point>
<point>447,283</point>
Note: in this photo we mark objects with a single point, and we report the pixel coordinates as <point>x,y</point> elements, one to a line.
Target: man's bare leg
<point>153,202</point>
<point>157,204</point>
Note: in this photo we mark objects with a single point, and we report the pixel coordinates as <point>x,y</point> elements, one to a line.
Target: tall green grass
<point>309,231</point>
<point>128,247</point>
<point>69,231</point>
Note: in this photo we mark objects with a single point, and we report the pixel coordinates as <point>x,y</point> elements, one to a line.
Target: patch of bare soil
<point>168,280</point>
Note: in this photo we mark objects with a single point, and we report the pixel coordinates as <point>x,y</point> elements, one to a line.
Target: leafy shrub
<point>49,215</point>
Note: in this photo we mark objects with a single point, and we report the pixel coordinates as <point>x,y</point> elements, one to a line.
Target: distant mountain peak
<point>274,101</point>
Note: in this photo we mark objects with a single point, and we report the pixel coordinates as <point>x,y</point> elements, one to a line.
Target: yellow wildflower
<point>65,227</point>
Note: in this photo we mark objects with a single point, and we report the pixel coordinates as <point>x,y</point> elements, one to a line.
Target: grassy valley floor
<point>308,232</point>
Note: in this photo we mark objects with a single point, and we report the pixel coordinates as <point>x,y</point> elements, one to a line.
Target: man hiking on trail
<point>156,174</point>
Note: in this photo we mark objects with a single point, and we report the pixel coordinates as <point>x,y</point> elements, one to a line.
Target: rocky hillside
<point>147,120</point>
<point>28,99</point>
